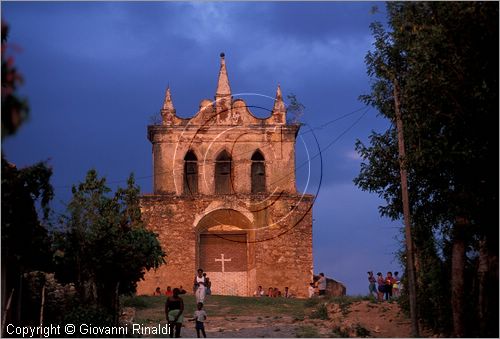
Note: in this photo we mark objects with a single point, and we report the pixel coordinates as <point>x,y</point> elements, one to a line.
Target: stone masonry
<point>225,199</point>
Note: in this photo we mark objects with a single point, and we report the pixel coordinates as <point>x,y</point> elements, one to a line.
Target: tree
<point>441,55</point>
<point>295,108</point>
<point>14,109</point>
<point>25,240</point>
<point>105,248</point>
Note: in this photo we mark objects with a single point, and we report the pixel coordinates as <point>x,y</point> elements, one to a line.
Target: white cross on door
<point>222,260</point>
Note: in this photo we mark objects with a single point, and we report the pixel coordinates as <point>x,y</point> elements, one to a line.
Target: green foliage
<point>89,315</point>
<point>14,109</point>
<point>21,190</point>
<point>440,55</point>
<point>143,302</point>
<point>295,109</point>
<point>105,248</point>
<point>311,302</point>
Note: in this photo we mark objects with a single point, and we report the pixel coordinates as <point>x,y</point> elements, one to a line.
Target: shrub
<point>321,312</point>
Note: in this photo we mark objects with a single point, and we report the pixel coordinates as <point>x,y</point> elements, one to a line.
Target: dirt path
<point>245,327</point>
<point>343,317</point>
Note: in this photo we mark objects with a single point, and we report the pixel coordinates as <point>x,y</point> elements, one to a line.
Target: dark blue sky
<point>95,73</point>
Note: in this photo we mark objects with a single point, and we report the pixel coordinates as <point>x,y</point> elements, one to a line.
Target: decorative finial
<point>279,109</point>
<point>278,93</point>
<point>168,110</point>
<point>223,88</point>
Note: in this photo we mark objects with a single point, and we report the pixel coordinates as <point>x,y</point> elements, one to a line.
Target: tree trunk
<point>410,256</point>
<point>458,278</point>
<point>482,275</point>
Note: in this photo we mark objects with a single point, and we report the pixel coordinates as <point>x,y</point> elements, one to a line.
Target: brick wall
<point>278,251</point>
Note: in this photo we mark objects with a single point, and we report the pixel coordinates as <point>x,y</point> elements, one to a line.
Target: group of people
<point>273,292</point>
<point>174,306</point>
<point>387,288</point>
<point>168,292</point>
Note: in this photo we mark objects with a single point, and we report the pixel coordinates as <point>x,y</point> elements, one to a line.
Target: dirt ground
<point>321,318</point>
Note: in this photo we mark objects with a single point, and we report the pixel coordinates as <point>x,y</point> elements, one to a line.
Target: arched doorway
<point>224,252</point>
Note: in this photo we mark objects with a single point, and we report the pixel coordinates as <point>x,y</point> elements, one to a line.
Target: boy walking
<point>200,316</point>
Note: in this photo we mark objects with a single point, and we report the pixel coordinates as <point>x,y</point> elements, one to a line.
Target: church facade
<point>225,200</point>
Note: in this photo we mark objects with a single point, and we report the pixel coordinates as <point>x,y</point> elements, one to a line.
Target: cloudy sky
<point>96,72</point>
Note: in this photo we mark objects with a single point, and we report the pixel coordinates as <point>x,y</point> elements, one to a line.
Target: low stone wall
<point>335,288</point>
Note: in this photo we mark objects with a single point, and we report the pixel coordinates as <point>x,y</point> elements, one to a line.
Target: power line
<point>311,130</point>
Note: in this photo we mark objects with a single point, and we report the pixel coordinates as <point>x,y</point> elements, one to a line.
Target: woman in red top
<point>169,292</point>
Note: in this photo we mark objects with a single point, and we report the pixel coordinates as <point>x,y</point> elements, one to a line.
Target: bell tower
<point>224,197</point>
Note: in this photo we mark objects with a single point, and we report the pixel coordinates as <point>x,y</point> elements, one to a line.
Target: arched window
<point>223,173</point>
<point>190,173</point>
<point>258,173</point>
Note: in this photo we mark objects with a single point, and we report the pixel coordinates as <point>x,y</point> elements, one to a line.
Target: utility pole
<point>410,265</point>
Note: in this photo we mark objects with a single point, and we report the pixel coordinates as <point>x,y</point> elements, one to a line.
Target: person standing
<point>371,286</point>
<point>381,286</point>
<point>310,290</point>
<point>395,286</point>
<point>389,282</point>
<point>199,286</point>
<point>174,307</point>
<point>208,286</point>
<point>200,316</point>
<point>322,284</point>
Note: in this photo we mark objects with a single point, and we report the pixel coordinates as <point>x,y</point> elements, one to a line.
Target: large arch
<point>225,251</point>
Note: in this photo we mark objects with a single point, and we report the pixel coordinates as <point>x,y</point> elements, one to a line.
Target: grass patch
<point>153,307</point>
<point>344,302</point>
<point>311,302</point>
<point>321,312</point>
<point>307,331</point>
<point>143,301</point>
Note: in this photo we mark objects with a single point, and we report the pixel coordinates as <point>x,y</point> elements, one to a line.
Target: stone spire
<point>279,109</point>
<point>168,105</point>
<point>168,110</point>
<point>223,88</point>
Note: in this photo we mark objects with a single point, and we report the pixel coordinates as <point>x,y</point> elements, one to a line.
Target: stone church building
<point>225,200</point>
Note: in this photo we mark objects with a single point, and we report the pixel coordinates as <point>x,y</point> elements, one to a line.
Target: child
<point>208,284</point>
<point>311,290</point>
<point>395,287</point>
<point>169,292</point>
<point>200,316</point>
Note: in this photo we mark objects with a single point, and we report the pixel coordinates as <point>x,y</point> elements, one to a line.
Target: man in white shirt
<point>322,284</point>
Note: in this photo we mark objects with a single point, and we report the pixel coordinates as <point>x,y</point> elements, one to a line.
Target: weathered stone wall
<point>276,226</point>
<point>335,288</point>
<point>279,238</point>
<point>171,143</point>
